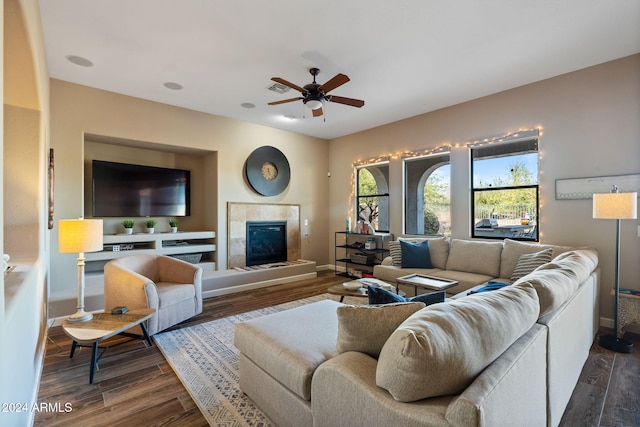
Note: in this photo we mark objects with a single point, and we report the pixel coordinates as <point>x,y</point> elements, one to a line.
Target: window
<point>505,190</point>
<point>373,195</point>
<point>427,195</point>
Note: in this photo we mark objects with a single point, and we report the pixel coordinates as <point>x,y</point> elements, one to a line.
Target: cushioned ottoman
<point>279,354</point>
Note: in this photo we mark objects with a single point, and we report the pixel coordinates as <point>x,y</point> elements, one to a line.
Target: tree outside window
<point>373,195</point>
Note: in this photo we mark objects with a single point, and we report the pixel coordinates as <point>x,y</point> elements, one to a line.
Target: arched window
<point>427,195</point>
<point>373,195</point>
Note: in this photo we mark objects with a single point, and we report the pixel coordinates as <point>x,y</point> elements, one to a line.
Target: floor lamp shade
<point>616,206</point>
<point>80,236</point>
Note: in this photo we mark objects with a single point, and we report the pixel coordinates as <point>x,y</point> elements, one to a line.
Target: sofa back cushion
<point>475,257</point>
<point>556,281</point>
<point>513,249</point>
<point>442,348</point>
<point>366,328</point>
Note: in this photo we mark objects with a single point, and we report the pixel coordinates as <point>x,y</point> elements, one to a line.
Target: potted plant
<point>151,225</point>
<point>173,223</point>
<point>128,226</point>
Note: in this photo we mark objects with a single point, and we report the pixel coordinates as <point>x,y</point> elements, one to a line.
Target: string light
<point>446,146</point>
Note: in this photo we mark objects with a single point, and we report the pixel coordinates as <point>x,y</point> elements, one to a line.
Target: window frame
<point>379,195</point>
<point>474,190</point>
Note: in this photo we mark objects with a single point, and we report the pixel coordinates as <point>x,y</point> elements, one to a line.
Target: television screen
<point>124,190</point>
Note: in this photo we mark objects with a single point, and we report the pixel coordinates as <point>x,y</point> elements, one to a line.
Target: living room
<point>587,121</point>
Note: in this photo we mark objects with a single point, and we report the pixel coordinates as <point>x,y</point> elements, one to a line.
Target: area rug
<point>206,361</point>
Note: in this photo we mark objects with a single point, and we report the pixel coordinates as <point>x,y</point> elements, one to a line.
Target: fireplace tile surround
<point>239,213</point>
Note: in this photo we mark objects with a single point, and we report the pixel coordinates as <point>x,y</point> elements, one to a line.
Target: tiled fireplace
<point>238,214</point>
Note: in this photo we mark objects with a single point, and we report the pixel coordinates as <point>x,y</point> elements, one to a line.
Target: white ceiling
<point>404,57</point>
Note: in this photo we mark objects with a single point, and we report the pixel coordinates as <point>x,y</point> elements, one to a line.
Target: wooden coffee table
<point>427,282</point>
<point>102,327</point>
<point>360,292</point>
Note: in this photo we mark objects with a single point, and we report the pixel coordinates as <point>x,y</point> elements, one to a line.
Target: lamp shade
<point>615,205</point>
<point>79,235</point>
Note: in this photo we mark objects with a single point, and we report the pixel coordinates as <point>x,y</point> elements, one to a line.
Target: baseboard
<point>608,323</point>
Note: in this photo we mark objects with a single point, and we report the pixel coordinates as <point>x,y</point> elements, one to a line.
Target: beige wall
<point>79,110</point>
<point>590,127</point>
<point>23,214</point>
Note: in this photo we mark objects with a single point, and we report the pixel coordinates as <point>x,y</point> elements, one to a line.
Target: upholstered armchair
<point>171,286</point>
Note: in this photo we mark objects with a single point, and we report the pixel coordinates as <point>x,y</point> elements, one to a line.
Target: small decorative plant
<point>128,223</point>
<point>151,223</point>
<point>173,222</point>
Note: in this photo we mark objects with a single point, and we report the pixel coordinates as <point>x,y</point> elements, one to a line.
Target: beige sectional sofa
<point>506,357</point>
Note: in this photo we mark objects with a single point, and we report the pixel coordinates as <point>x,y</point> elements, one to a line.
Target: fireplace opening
<point>266,242</point>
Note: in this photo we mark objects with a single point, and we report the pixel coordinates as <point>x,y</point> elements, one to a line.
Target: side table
<point>103,326</point>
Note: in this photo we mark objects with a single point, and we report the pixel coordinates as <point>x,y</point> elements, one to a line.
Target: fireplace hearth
<point>266,242</point>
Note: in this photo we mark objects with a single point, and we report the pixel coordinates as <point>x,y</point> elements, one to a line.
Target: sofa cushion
<point>415,255</point>
<point>291,344</point>
<point>465,279</point>
<point>529,262</point>
<point>556,281</point>
<point>441,349</point>
<point>366,328</point>
<point>475,257</point>
<point>513,249</point>
<point>382,296</point>
<point>396,253</point>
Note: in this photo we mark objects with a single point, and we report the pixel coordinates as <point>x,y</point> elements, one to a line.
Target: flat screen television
<point>126,190</point>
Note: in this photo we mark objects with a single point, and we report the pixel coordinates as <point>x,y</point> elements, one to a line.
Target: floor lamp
<point>80,236</point>
<point>616,206</point>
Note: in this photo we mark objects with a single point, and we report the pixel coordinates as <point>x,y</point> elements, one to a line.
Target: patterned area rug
<point>206,361</point>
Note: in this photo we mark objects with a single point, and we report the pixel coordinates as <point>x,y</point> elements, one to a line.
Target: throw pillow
<point>366,328</point>
<point>440,350</point>
<point>415,255</point>
<point>396,253</point>
<point>379,296</point>
<point>529,262</point>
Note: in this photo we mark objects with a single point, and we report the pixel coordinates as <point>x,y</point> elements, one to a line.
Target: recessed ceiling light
<point>173,86</point>
<point>248,105</point>
<point>78,60</point>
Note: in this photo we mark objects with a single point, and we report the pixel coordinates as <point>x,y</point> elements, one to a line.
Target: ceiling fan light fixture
<point>313,104</point>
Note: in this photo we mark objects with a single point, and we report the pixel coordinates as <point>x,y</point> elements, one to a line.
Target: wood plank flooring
<point>136,386</point>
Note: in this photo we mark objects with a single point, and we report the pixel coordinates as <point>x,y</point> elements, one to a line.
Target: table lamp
<point>616,205</point>
<point>80,236</point>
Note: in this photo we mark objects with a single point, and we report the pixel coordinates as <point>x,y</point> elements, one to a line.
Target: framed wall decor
<point>584,188</point>
<point>50,189</point>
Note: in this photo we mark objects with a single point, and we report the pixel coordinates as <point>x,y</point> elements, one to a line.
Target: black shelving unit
<point>351,254</point>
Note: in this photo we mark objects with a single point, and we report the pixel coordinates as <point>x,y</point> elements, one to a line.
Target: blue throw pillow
<point>415,255</point>
<point>382,296</point>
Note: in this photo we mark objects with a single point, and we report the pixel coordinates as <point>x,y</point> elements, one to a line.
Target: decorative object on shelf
<point>267,170</point>
<point>364,227</point>
<point>616,205</point>
<point>80,236</point>
<point>370,243</point>
<point>348,224</point>
<point>151,225</point>
<point>128,226</point>
<point>173,223</point>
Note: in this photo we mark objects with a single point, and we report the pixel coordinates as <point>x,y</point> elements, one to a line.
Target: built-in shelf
<point>183,244</point>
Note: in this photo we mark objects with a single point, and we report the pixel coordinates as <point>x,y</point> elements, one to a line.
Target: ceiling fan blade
<point>336,81</point>
<point>346,101</point>
<point>286,83</point>
<point>317,112</point>
<point>284,101</point>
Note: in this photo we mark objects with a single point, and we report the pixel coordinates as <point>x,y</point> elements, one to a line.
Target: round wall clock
<point>267,171</point>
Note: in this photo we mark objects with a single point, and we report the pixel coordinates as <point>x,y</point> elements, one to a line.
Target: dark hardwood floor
<point>136,387</point>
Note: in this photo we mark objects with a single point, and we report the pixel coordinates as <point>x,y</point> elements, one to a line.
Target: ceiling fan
<point>315,94</point>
